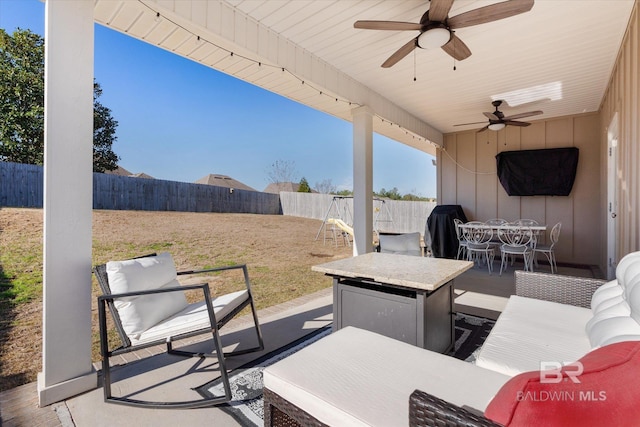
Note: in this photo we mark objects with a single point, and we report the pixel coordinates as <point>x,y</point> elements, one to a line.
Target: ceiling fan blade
<point>387,25</point>
<point>400,53</point>
<point>483,129</point>
<point>474,123</point>
<point>439,10</point>
<point>523,115</point>
<point>491,116</point>
<point>456,48</point>
<point>514,123</point>
<point>490,13</point>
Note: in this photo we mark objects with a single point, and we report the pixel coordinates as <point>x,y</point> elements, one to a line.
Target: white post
<point>68,186</point>
<point>362,180</point>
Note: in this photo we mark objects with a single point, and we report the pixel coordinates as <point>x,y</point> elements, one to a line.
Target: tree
<point>22,105</point>
<point>282,171</point>
<point>104,135</point>
<point>304,186</point>
<point>325,187</point>
<point>392,194</point>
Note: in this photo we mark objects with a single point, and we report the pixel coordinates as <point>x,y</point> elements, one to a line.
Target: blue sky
<point>180,121</point>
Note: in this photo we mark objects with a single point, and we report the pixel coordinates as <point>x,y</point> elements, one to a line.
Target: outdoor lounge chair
<point>149,307</point>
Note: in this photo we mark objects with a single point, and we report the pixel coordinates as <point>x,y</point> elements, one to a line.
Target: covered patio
<point>477,294</point>
<point>586,82</point>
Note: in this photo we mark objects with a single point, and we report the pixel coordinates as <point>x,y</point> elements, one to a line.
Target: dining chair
<point>525,222</point>
<point>478,237</point>
<point>462,242</point>
<point>496,222</point>
<point>548,250</point>
<point>516,241</point>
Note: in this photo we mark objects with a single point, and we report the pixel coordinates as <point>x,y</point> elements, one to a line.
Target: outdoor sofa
<point>565,351</point>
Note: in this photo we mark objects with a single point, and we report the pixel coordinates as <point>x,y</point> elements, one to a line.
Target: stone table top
<point>401,270</point>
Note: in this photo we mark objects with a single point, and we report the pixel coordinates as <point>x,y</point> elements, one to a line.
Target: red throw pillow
<point>600,389</point>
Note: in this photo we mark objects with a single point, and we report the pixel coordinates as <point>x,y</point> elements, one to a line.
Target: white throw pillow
<point>607,330</point>
<point>139,313</point>
<point>608,290</point>
<point>620,309</point>
<point>626,261</point>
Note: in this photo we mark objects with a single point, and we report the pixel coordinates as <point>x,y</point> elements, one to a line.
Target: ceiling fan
<point>497,119</point>
<point>436,27</point>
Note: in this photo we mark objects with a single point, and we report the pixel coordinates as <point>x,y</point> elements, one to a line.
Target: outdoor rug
<point>246,405</point>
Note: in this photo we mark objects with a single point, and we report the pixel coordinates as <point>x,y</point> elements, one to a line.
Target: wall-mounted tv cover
<point>548,172</point>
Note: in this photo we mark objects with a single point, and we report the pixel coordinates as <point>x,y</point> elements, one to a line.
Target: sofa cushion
<point>605,392</point>
<point>194,317</point>
<point>404,244</point>
<point>530,331</point>
<point>356,377</point>
<point>139,313</point>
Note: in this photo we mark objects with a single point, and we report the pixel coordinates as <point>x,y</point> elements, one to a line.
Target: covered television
<point>546,172</point>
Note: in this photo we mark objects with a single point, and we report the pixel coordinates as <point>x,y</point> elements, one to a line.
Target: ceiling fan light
<point>497,126</point>
<point>433,38</point>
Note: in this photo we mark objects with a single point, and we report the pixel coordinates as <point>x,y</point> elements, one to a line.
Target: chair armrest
<point>242,267</point>
<point>214,269</point>
<point>428,410</point>
<point>103,300</point>
<point>557,288</point>
<point>203,286</point>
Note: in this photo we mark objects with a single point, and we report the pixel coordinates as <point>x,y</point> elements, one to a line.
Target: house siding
<point>623,97</point>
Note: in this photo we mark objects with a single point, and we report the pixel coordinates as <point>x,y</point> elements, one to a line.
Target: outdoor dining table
<point>537,228</point>
<point>408,298</point>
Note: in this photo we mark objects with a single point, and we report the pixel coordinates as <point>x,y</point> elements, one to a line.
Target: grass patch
<point>278,251</point>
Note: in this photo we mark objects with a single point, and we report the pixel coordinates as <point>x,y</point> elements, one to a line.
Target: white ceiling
<point>560,54</point>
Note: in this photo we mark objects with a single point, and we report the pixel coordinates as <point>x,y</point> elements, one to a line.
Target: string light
<point>200,40</point>
<point>233,54</point>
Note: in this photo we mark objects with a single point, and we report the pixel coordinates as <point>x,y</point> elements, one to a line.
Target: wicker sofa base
<point>425,410</point>
<point>279,412</point>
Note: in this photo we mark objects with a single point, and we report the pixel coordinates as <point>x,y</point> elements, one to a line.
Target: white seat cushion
<point>355,377</point>
<point>194,317</point>
<point>530,331</point>
<point>404,244</point>
<point>139,313</point>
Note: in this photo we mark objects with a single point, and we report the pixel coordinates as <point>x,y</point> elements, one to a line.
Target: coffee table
<point>408,298</point>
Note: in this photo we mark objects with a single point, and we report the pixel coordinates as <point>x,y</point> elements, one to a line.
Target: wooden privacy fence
<point>394,216</point>
<point>22,186</point>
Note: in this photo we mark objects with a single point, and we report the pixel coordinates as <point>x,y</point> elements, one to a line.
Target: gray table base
<point>421,318</point>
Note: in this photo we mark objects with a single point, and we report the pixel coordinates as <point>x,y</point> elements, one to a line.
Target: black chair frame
<point>107,300</point>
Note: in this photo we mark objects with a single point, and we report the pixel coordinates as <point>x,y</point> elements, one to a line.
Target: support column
<point>68,186</point>
<point>362,180</point>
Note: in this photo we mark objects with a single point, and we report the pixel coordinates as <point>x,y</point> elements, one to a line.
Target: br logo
<point>550,372</point>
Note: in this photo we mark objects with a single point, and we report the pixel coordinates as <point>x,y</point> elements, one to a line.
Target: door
<point>612,196</point>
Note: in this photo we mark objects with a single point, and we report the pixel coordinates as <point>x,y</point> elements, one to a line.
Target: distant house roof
<point>223,181</point>
<point>276,187</point>
<point>141,175</point>
<point>120,171</point>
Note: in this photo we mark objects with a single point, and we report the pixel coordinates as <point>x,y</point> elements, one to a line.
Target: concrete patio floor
<point>172,378</point>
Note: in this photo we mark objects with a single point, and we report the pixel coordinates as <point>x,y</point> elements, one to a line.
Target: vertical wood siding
<point>468,177</point>
<point>623,97</point>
